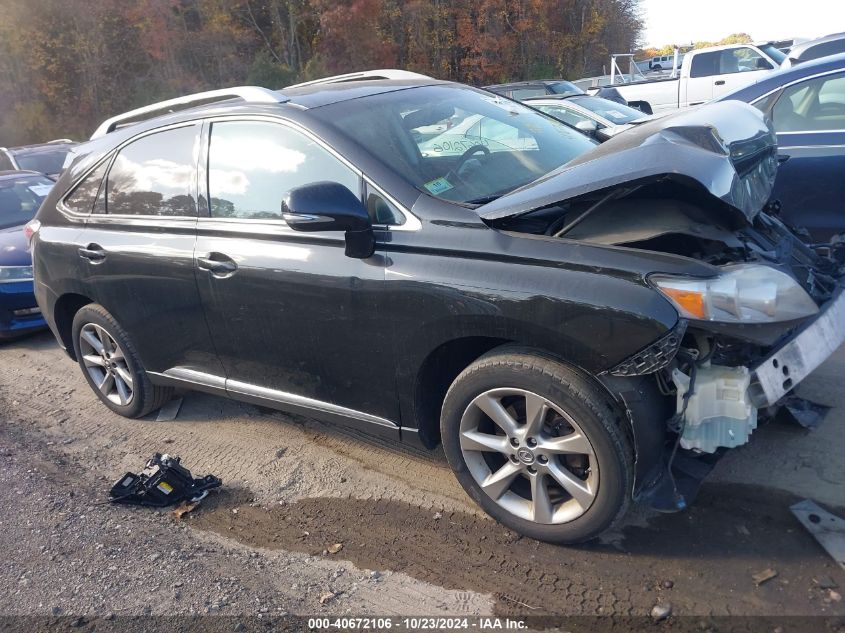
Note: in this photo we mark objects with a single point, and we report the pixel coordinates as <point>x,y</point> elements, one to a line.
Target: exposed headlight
<point>9,274</point>
<point>745,293</point>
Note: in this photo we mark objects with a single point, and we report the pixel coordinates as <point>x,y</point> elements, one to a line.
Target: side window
<point>153,175</point>
<point>814,105</point>
<point>704,64</point>
<point>381,210</point>
<point>83,197</point>
<point>523,93</point>
<point>5,163</point>
<point>253,164</point>
<point>740,60</point>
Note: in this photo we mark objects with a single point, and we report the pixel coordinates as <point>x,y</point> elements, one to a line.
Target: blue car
<point>807,107</point>
<point>21,193</point>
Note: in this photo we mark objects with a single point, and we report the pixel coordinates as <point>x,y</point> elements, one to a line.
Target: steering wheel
<point>470,152</point>
<point>454,172</point>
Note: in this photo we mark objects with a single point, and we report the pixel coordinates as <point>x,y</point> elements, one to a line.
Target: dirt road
<point>411,541</point>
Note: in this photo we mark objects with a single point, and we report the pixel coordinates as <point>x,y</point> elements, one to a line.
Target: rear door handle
<point>720,82</point>
<point>93,253</point>
<point>217,264</point>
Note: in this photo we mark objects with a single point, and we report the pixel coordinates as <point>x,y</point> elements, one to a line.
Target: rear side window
<point>154,175</point>
<point>253,164</point>
<point>704,64</point>
<point>82,198</point>
<point>523,93</point>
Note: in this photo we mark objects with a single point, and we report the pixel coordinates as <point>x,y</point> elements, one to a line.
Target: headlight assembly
<point>9,274</point>
<point>744,293</point>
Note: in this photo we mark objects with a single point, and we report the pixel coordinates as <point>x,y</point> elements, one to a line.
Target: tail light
<point>31,229</point>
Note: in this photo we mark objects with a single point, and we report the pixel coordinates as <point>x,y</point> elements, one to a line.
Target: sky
<point>684,21</point>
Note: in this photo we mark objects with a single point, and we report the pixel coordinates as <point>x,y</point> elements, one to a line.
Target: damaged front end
<point>697,186</point>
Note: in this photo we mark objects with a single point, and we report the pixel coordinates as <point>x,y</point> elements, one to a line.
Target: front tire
<point>111,365</point>
<point>538,445</point>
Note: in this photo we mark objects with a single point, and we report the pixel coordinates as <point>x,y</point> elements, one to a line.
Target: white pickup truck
<point>705,74</point>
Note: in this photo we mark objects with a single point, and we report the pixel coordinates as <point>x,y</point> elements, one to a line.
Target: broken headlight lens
<point>741,294</point>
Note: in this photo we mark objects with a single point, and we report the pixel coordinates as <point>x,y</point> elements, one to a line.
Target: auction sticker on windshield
<point>438,186</point>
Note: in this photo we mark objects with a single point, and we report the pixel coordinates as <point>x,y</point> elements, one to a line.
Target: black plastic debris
<point>805,412</point>
<point>163,482</point>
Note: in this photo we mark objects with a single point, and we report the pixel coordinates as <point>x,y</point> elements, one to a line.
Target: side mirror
<point>329,206</point>
<point>587,127</point>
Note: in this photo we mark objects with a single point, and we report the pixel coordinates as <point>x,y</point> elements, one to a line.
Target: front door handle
<point>93,253</point>
<point>720,82</point>
<point>217,264</point>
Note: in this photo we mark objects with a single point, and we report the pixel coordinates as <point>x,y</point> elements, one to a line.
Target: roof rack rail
<point>382,73</point>
<point>255,94</point>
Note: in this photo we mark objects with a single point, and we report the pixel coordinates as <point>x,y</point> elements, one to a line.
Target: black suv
<point>579,325</point>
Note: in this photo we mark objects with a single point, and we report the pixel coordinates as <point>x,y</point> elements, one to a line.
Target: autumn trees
<point>67,64</point>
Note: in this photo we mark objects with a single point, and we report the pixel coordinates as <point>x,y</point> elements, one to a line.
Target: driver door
<point>294,320</point>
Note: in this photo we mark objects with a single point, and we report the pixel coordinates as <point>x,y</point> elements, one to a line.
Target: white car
<point>598,117</point>
<point>480,132</point>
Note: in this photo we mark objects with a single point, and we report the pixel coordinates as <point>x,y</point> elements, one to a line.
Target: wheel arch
<point>64,310</point>
<point>436,373</point>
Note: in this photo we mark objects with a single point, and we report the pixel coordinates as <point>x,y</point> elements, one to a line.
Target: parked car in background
<point>580,325</point>
<point>705,74</point>
<point>520,90</point>
<point>595,116</point>
<point>46,158</point>
<point>21,193</point>
<point>814,49</point>
<point>807,107</point>
<point>663,62</point>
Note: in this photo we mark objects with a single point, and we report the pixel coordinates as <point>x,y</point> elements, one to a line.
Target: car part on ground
<point>827,528</point>
<point>429,267</point>
<point>163,482</point>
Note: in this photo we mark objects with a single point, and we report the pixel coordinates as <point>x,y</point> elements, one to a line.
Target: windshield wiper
<point>484,199</point>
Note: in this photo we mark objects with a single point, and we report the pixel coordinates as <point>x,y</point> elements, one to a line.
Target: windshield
<point>49,162</point>
<point>773,52</point>
<point>20,199</point>
<point>455,142</point>
<point>565,88</point>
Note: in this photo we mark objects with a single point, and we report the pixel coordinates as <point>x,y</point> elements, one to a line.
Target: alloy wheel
<point>106,364</point>
<point>529,456</point>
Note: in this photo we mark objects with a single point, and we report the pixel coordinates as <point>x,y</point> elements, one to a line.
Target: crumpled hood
<point>728,148</point>
<point>13,247</point>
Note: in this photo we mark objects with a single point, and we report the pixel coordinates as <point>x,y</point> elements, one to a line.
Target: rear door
<point>294,320</point>
<point>135,254</point>
<point>809,118</point>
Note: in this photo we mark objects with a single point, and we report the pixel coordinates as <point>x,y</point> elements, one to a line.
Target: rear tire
<point>563,471</point>
<point>111,365</point>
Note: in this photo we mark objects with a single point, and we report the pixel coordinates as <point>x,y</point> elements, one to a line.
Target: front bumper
<point>793,361</point>
<point>19,312</point>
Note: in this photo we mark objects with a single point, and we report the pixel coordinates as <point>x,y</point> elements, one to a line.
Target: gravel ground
<point>264,546</point>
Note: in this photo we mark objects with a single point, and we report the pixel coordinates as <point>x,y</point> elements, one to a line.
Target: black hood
<point>728,148</point>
